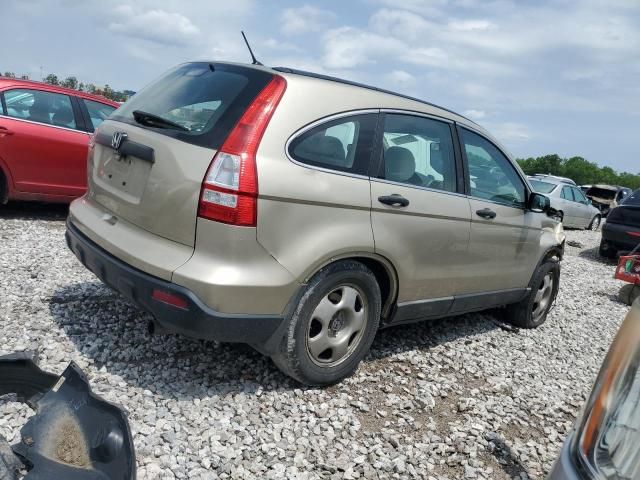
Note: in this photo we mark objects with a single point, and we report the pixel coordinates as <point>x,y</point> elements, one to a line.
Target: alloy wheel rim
<point>543,296</point>
<point>337,326</point>
<point>595,224</point>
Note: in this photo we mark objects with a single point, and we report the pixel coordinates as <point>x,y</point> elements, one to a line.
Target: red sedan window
<point>42,107</point>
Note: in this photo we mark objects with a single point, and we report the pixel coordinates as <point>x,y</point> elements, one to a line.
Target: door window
<point>418,151</point>
<point>344,144</point>
<point>98,112</point>
<point>579,196</point>
<point>567,194</point>
<point>42,107</point>
<point>491,174</point>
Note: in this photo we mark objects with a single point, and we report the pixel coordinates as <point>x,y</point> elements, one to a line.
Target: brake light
<point>230,188</point>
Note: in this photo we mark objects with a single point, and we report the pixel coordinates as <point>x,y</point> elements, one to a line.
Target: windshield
<point>542,187</point>
<point>205,99</point>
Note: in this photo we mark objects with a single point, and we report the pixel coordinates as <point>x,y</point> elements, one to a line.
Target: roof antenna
<point>253,57</point>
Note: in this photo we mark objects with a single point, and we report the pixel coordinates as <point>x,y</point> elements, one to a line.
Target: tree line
<point>74,84</point>
<point>582,171</point>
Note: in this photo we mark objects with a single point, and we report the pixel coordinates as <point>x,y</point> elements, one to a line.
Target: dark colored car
<point>44,139</point>
<point>605,441</point>
<point>621,232</point>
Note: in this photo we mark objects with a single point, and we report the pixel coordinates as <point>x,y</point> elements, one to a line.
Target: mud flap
<point>74,435</point>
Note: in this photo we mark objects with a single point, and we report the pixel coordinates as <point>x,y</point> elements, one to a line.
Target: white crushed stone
<point>455,398</point>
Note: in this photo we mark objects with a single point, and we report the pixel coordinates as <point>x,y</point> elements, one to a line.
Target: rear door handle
<point>486,213</point>
<point>394,200</point>
<point>5,131</point>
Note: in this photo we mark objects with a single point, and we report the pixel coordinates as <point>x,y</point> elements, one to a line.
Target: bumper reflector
<point>170,299</point>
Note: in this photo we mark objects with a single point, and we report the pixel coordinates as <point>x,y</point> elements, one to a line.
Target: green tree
<point>52,79</point>
<point>9,74</point>
<point>580,170</point>
<point>70,82</point>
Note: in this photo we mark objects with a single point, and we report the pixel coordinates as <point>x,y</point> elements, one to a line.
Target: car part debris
<point>74,435</point>
<point>628,270</point>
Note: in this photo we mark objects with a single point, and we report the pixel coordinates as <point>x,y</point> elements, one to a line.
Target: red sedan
<point>44,135</point>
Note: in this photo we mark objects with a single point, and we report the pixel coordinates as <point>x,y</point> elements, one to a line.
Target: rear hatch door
<point>147,162</point>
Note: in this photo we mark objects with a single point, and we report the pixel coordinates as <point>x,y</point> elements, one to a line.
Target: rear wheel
<point>595,223</point>
<point>532,311</point>
<point>333,326</point>
<point>607,251</point>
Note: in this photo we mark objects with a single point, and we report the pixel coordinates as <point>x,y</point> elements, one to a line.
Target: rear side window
<point>418,151</point>
<point>98,112</point>
<point>205,100</point>
<point>344,144</point>
<point>39,106</point>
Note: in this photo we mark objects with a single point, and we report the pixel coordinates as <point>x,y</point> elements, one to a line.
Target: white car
<point>573,208</point>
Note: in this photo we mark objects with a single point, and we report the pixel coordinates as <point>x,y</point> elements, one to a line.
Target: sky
<point>547,76</point>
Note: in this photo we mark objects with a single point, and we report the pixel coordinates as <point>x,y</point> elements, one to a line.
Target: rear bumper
<point>617,236</point>
<point>196,320</point>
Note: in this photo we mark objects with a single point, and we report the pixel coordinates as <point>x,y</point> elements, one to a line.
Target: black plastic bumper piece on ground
<point>75,434</point>
<point>196,320</point>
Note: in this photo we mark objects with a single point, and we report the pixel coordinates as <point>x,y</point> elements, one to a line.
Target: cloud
<point>305,19</point>
<point>349,47</point>
<point>401,78</point>
<point>510,132</point>
<point>475,114</point>
<point>156,25</point>
<point>470,25</point>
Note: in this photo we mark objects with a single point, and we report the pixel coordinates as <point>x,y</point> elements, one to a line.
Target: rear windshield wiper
<point>151,120</point>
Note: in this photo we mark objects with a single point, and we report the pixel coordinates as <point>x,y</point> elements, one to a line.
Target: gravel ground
<point>456,398</point>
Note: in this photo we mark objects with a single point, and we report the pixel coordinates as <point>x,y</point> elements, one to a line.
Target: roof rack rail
<point>368,87</point>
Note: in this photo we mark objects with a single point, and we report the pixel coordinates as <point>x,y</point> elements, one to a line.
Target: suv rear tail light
<point>230,187</point>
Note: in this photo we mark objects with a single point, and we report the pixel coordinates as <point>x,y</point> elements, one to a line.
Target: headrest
<point>399,164</point>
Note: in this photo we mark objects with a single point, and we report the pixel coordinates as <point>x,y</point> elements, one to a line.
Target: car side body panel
<point>41,161</point>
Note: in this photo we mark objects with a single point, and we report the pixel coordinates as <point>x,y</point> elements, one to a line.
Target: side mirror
<point>539,203</point>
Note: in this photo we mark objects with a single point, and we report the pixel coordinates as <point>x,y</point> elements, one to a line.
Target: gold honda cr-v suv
<point>300,213</point>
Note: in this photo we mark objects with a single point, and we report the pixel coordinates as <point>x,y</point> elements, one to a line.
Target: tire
<point>595,223</point>
<point>531,312</point>
<point>606,251</point>
<point>333,326</point>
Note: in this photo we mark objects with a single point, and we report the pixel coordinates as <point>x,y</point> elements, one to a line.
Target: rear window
<point>206,99</point>
<point>542,187</point>
<point>603,193</point>
<point>633,199</point>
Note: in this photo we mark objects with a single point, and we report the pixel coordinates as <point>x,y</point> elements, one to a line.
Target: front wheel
<point>531,312</point>
<point>595,223</point>
<point>333,326</point>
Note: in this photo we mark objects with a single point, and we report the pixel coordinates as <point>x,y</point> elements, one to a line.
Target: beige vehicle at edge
<point>300,213</point>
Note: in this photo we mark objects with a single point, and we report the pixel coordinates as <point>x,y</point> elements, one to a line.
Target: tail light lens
<point>230,188</point>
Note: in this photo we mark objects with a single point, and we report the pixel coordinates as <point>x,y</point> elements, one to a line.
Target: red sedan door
<point>41,144</point>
